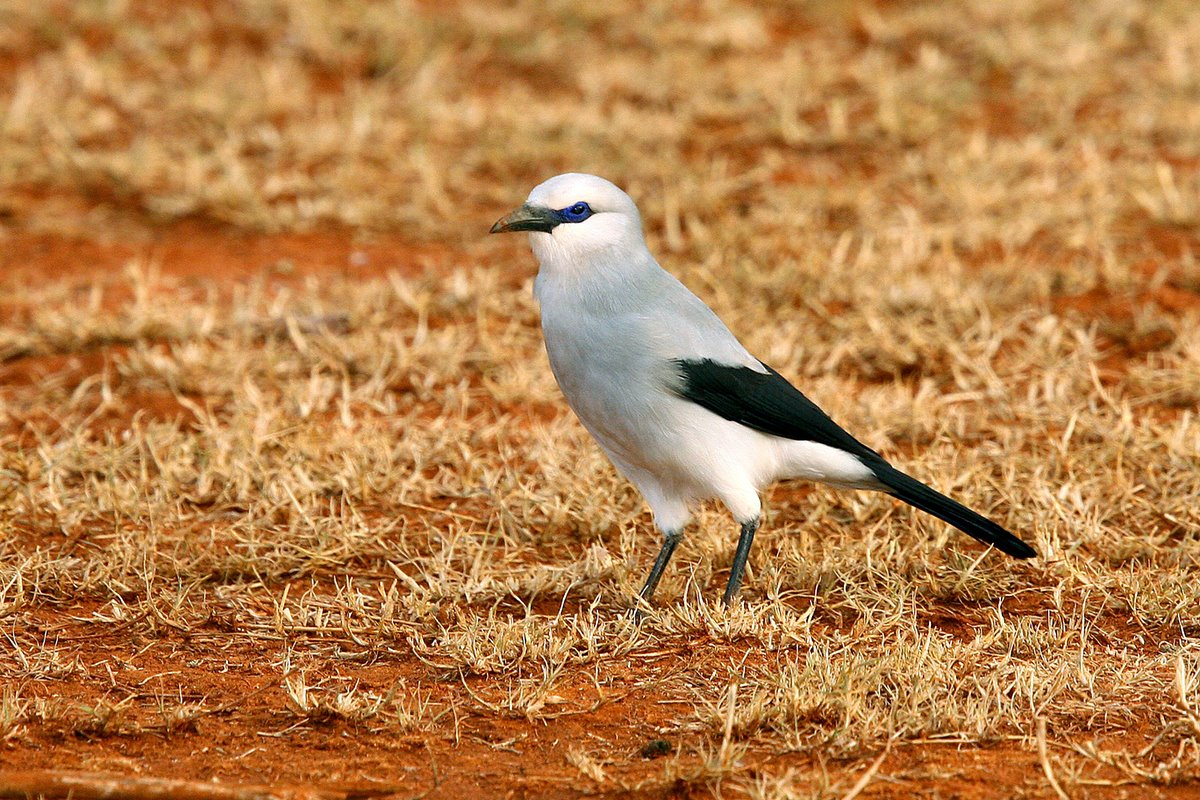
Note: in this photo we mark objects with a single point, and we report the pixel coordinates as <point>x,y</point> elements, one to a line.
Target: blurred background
<point>1044,127</point>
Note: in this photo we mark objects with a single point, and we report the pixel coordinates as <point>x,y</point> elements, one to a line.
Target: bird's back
<point>641,314</point>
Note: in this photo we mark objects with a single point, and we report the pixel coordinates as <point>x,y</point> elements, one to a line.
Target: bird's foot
<point>640,609</point>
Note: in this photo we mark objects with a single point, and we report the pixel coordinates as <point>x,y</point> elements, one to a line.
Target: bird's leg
<point>739,560</point>
<point>670,542</point>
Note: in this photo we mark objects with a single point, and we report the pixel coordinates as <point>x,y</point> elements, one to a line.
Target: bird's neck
<point>606,280</point>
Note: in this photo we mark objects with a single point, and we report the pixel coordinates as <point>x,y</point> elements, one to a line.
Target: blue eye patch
<point>576,212</point>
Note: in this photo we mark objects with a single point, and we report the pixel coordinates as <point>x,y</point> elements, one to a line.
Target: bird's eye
<point>576,213</point>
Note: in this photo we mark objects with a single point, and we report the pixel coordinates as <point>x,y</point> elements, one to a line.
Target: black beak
<point>527,218</point>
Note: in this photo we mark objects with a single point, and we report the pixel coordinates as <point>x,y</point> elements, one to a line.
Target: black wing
<point>765,402</point>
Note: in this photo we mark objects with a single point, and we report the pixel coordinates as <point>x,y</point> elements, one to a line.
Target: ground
<point>289,499</point>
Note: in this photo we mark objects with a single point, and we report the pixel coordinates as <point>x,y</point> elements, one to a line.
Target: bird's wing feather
<point>766,402</point>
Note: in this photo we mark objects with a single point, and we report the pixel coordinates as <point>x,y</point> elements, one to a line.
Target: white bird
<point>672,397</point>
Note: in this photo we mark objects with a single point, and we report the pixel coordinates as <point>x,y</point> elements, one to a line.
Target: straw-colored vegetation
<point>337,527</point>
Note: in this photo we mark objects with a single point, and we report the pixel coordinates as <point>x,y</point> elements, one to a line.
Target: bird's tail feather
<point>917,494</point>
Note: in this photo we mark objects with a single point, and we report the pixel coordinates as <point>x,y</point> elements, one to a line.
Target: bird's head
<point>576,216</point>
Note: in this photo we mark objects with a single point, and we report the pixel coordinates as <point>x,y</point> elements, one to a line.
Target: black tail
<point>915,493</point>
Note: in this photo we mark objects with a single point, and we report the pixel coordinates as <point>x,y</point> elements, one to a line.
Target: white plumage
<point>681,408</point>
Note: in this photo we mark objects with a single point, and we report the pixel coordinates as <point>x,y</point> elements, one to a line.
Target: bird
<point>680,407</point>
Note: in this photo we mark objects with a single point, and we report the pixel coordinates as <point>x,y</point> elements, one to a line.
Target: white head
<point>574,218</point>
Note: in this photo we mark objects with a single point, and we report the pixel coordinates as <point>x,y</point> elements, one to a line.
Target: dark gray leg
<point>739,560</point>
<point>670,542</point>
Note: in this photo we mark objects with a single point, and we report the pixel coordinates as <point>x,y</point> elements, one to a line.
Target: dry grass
<point>348,510</point>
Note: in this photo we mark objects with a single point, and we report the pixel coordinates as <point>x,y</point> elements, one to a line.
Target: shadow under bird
<point>671,396</point>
